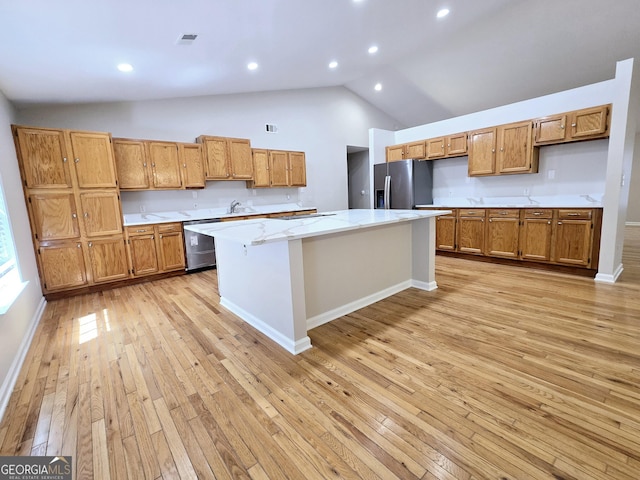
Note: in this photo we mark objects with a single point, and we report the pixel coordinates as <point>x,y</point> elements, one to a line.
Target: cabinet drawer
<point>477,212</point>
<point>574,214</point>
<point>169,227</point>
<point>139,230</point>
<point>537,213</point>
<point>504,213</point>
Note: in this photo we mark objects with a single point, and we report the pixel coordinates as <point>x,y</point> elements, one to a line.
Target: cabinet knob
<point>79,245</point>
<point>76,160</point>
<point>90,244</point>
<point>153,164</point>
<point>573,124</point>
<point>144,164</point>
<point>537,213</point>
<point>493,150</point>
<point>562,127</point>
<point>491,220</point>
<point>549,222</point>
<point>64,159</point>
<point>73,215</point>
<point>559,223</point>
<point>502,149</point>
<point>86,214</point>
<point>184,165</point>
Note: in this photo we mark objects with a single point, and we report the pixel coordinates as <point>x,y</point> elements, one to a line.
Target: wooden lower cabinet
<point>108,259</point>
<point>569,237</point>
<point>62,265</point>
<point>471,230</point>
<point>446,232</point>
<point>503,233</point>
<point>155,248</point>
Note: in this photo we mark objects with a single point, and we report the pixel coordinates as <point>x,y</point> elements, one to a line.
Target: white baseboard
<point>12,376</point>
<point>606,278</point>
<point>632,224</point>
<point>296,347</point>
<point>342,310</point>
<point>428,286</point>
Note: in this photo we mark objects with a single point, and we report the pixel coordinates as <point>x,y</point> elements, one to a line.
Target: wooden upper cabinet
<point>297,169</point>
<point>216,157</point>
<point>131,164</point>
<point>552,129</point>
<point>192,167</point>
<point>589,122</point>
<point>108,259</point>
<point>456,145</point>
<point>165,167</point>
<point>482,152</point>
<point>62,265</point>
<point>395,153</point>
<point>240,158</point>
<point>101,213</point>
<point>279,166</point>
<point>54,215</point>
<point>43,157</point>
<point>415,150</point>
<point>93,159</point>
<point>261,172</point>
<point>515,151</point>
<point>435,147</point>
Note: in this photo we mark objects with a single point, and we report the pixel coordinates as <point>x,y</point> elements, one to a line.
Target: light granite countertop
<point>555,201</point>
<point>207,214</point>
<point>266,230</point>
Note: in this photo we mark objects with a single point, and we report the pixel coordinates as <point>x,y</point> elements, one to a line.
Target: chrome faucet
<point>233,206</point>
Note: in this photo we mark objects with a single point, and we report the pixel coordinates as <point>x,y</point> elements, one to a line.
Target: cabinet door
<point>171,244</point>
<point>415,150</point>
<point>165,168</point>
<point>216,158</point>
<point>43,157</point>
<point>471,231</point>
<point>589,122</point>
<point>514,152</point>
<point>62,265</point>
<point>101,213</point>
<point>435,148</point>
<point>446,232</point>
<point>482,152</point>
<point>190,157</point>
<point>503,236</point>
<point>573,242</point>
<point>108,258</point>
<point>297,169</point>
<point>131,164</point>
<point>260,168</point>
<point>144,258</point>
<point>241,161</point>
<point>551,130</point>
<point>279,165</point>
<point>395,153</point>
<point>456,145</point>
<point>54,215</point>
<point>535,239</point>
<point>93,159</point>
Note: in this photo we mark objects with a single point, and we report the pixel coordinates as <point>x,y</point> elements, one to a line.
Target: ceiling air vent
<point>186,39</point>
<point>271,128</point>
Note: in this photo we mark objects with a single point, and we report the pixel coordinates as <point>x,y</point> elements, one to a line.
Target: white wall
<point>633,213</point>
<point>17,324</point>
<point>320,122</point>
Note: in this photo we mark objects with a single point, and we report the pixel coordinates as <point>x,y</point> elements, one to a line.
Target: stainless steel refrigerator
<point>403,184</point>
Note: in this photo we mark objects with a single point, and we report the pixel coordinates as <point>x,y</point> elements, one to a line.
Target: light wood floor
<point>501,373</point>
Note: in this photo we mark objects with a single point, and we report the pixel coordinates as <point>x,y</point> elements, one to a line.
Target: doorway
<point>359,177</point>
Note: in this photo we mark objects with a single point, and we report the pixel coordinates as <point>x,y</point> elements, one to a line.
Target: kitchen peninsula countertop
<point>207,213</point>
<point>266,230</point>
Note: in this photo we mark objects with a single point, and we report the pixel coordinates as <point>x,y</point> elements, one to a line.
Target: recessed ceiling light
<point>443,13</point>
<point>252,66</point>
<point>373,49</point>
<point>125,67</point>
<point>333,64</point>
<point>378,87</point>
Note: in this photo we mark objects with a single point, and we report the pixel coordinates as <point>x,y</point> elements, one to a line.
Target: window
<point>10,283</point>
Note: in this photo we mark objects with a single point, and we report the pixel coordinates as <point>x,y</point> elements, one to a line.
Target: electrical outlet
<point>195,205</point>
<point>143,209</point>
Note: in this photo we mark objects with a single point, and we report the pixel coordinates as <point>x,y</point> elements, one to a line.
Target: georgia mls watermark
<point>35,468</point>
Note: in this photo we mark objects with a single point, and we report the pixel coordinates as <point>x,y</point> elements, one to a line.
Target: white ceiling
<point>484,54</point>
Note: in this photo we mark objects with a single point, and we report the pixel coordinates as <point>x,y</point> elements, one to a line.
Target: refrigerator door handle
<point>387,190</point>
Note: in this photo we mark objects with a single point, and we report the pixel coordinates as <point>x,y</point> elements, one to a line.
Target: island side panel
<point>347,271</point>
<point>263,285</point>
<point>423,254</point>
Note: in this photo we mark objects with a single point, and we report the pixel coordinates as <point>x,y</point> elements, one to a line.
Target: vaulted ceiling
<point>485,53</point>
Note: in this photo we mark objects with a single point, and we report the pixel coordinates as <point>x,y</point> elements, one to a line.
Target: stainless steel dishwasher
<point>200,249</point>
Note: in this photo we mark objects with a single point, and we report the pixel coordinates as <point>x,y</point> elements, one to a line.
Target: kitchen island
<point>287,276</point>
